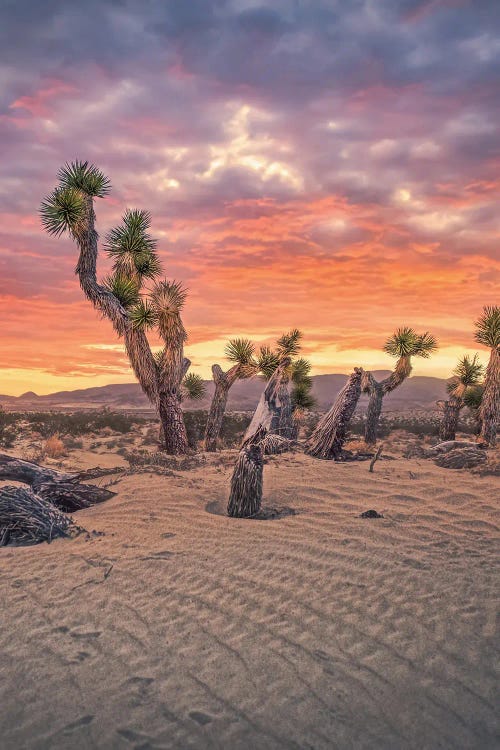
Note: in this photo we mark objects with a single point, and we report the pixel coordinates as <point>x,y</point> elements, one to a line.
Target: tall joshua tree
<point>241,353</point>
<point>466,377</point>
<point>121,296</point>
<point>404,344</point>
<point>488,334</point>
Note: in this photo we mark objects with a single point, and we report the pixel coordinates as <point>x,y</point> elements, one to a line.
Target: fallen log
<point>61,489</point>
<point>461,458</point>
<point>26,518</point>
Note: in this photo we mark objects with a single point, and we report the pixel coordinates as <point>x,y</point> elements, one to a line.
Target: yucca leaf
<point>240,351</point>
<point>488,327</point>
<point>267,361</point>
<point>62,210</point>
<point>126,290</point>
<point>85,177</point>
<point>289,343</point>
<point>193,386</point>
<point>142,315</point>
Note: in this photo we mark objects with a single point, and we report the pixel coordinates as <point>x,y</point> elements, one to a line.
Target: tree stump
<point>246,483</point>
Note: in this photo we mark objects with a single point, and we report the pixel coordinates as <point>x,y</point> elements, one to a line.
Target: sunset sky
<point>331,166</point>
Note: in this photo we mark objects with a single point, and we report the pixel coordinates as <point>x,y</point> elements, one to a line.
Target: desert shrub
<point>234,427</point>
<point>53,447</point>
<point>80,423</point>
<point>9,429</point>
<point>72,443</point>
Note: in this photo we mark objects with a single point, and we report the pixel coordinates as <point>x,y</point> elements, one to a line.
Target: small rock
<point>371,514</point>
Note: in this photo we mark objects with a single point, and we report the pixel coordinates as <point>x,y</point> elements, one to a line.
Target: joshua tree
<point>121,297</point>
<point>472,400</point>
<point>277,400</point>
<point>466,376</point>
<point>403,344</point>
<point>241,353</point>
<point>330,434</point>
<point>488,334</point>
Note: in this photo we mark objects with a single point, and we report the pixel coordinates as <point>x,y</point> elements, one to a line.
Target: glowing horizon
<point>343,194</point>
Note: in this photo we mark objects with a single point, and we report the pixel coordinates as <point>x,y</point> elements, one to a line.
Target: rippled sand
<point>181,628</point>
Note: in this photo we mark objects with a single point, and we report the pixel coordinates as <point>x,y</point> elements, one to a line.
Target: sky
<point>330,166</point>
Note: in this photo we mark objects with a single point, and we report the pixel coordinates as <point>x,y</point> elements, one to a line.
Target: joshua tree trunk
<point>173,430</point>
<point>490,403</point>
<point>377,391</point>
<point>286,427</point>
<point>223,382</point>
<point>449,420</point>
<point>330,434</point>
<point>268,411</point>
<point>373,413</point>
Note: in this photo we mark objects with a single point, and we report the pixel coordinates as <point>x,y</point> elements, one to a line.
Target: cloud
<point>328,165</point>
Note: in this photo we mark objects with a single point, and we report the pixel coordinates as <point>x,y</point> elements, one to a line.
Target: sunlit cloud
<point>328,166</point>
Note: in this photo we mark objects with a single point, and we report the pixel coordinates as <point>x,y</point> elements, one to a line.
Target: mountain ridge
<point>417,392</point>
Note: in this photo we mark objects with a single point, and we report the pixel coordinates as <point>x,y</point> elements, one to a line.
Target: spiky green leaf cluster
<point>473,397</point>
<point>132,247</point>
<point>469,371</point>
<point>143,315</point>
<point>167,300</point>
<point>405,342</point>
<point>62,210</point>
<point>302,398</point>
<point>426,345</point>
<point>193,386</point>
<point>289,343</point>
<point>301,369</point>
<point>85,177</point>
<point>488,327</point>
<point>240,351</point>
<point>267,361</point>
<point>125,289</point>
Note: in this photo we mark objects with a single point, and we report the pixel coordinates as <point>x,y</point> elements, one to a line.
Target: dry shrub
<point>54,447</point>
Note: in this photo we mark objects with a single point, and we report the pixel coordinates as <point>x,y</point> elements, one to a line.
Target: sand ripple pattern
<point>184,629</point>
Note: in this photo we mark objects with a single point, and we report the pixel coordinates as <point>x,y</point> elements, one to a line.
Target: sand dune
<point>181,628</point>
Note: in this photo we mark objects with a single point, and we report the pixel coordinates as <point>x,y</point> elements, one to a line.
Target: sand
<point>180,628</point>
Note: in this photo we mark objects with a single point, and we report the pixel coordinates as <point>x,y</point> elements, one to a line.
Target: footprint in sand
<point>200,717</point>
<point>91,634</point>
<point>140,689</point>
<point>133,737</point>
<point>84,721</point>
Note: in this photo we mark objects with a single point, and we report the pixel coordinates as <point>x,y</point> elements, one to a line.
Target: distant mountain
<point>415,393</point>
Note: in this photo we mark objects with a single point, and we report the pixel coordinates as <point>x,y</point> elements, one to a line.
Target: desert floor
<point>182,628</point>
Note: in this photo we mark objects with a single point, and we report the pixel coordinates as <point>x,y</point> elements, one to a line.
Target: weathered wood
<point>245,497</point>
<point>450,445</point>
<point>376,392</point>
<point>330,434</point>
<point>26,518</point>
<point>461,458</point>
<point>489,411</point>
<point>62,490</point>
<point>268,413</point>
<point>449,420</point>
<point>223,382</point>
<point>375,458</point>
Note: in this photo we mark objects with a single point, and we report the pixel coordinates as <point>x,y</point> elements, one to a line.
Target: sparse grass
<point>53,447</point>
